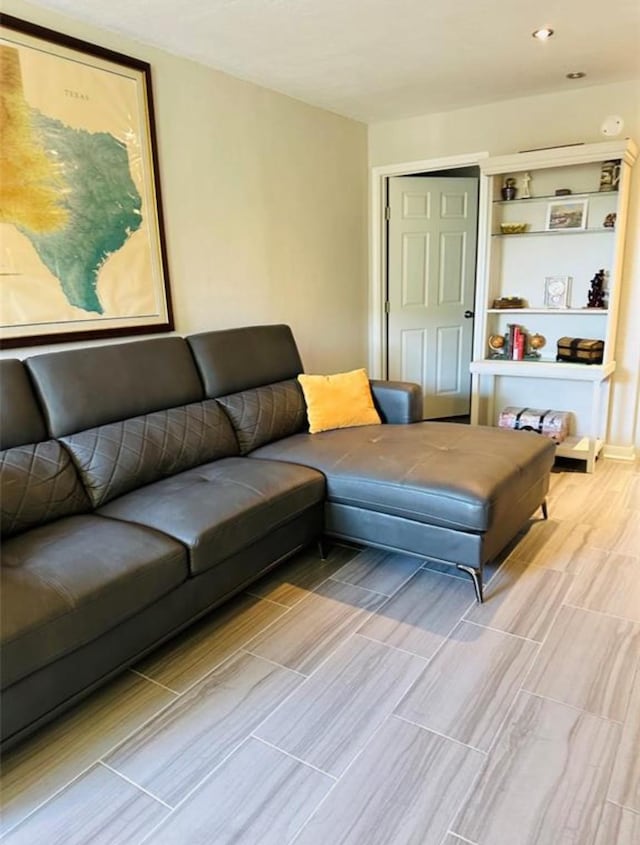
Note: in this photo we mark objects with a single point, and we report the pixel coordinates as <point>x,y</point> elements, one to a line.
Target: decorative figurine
<point>509,191</point>
<point>595,297</point>
<point>525,193</point>
<point>610,221</point>
<point>610,176</point>
<point>536,343</point>
<point>496,345</point>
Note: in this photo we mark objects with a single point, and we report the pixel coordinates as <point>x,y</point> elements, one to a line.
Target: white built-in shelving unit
<point>517,264</point>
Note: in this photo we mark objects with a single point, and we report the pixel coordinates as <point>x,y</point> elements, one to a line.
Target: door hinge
<point>387,307</point>
<point>387,213</point>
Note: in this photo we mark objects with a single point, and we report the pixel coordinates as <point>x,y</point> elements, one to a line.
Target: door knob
<point>468,314</point>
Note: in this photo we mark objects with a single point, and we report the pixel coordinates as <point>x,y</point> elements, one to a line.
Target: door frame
<point>378,188</point>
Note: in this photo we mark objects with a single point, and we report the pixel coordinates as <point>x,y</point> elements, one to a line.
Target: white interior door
<point>432,256</point>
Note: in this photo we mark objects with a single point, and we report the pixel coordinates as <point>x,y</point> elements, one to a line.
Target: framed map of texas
<point>82,250</point>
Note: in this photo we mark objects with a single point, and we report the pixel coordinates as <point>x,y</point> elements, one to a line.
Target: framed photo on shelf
<point>556,291</point>
<point>83,250</point>
<point>567,215</point>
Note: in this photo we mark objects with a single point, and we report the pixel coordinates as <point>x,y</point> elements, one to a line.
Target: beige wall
<point>543,121</point>
<point>264,203</point>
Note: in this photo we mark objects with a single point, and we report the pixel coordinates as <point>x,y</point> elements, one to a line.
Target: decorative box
<point>552,424</point>
<point>580,350</point>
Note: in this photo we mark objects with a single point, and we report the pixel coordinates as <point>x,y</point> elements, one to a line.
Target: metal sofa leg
<point>322,548</point>
<point>476,576</point>
<point>545,512</point>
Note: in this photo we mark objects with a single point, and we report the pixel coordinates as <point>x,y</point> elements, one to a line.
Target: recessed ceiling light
<point>576,74</point>
<point>543,34</point>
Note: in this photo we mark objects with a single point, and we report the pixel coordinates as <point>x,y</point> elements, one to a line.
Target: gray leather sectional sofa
<point>143,483</point>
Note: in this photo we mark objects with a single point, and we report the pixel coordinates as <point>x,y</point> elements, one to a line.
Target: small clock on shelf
<point>556,291</point>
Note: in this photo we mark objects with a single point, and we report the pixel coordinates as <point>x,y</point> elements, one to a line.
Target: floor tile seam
<point>604,613</point>
<point>510,707</point>
<point>297,759</point>
<point>273,662</point>
<point>134,783</point>
<point>451,832</point>
<point>178,805</point>
<point>440,572</point>
<point>153,681</point>
<point>305,679</point>
<point>435,732</point>
<point>343,774</point>
<point>402,584</point>
<point>264,598</point>
<point>50,797</point>
<point>620,806</point>
<point>358,586</point>
<point>232,654</point>
<point>169,704</point>
<point>445,637</point>
<point>500,631</point>
<point>393,647</point>
<point>575,707</point>
<point>636,679</point>
<point>566,578</point>
<point>464,800</point>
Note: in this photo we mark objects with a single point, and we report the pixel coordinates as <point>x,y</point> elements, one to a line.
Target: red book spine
<point>515,346</point>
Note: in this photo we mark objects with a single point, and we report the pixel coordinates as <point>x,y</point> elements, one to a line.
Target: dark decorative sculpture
<point>595,297</point>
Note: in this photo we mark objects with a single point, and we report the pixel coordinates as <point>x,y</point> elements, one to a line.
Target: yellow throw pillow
<point>339,401</point>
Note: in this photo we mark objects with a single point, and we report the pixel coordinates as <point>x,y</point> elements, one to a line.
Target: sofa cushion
<point>39,484</point>
<point>219,509</point>
<point>422,471</point>
<point>341,400</point>
<point>116,458</point>
<point>21,420</point>
<point>266,413</point>
<point>66,583</point>
<point>86,387</point>
<point>233,360</point>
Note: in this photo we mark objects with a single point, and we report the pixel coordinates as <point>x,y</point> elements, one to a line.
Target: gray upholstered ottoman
<point>444,491</point>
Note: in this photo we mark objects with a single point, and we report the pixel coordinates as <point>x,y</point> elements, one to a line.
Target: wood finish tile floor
<point>368,700</point>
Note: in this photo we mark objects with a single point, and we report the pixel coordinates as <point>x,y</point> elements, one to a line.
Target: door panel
<point>415,263</point>
<point>413,344</point>
<point>432,250</point>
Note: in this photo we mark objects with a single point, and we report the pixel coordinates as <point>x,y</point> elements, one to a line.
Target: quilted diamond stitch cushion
<point>116,458</point>
<point>39,484</point>
<point>264,414</point>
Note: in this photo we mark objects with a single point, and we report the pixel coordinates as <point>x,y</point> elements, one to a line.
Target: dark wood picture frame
<point>121,194</point>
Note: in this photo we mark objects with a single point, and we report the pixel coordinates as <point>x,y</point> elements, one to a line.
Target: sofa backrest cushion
<point>39,484</point>
<point>264,414</point>
<point>234,360</point>
<point>21,420</point>
<point>84,388</point>
<point>122,456</point>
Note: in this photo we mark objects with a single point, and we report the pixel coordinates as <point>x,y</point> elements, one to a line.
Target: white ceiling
<point>384,59</point>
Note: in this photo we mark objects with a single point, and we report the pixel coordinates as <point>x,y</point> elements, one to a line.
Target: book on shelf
<point>516,342</point>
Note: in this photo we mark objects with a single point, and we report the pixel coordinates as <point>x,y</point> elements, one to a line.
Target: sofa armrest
<point>397,401</point>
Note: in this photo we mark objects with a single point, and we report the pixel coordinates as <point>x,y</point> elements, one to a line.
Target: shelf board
<point>543,368</point>
<point>579,448</point>
<point>592,312</point>
<point>556,198</point>
<point>554,233</point>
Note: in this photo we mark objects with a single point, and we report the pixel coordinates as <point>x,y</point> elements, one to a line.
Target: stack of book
<point>516,342</point>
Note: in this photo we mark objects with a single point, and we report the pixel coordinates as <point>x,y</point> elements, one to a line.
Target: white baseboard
<point>619,453</point>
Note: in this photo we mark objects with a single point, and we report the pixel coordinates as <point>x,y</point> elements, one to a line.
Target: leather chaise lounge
<point>144,483</point>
